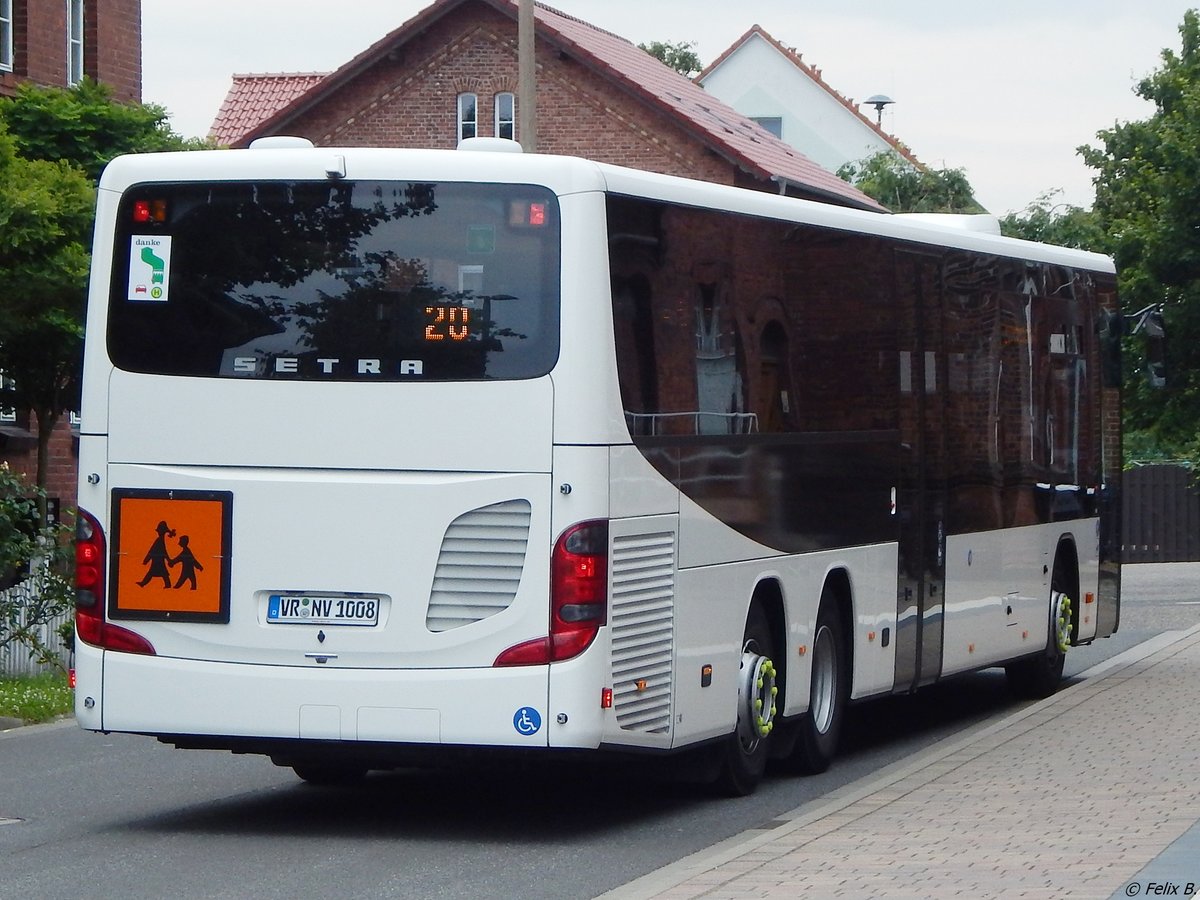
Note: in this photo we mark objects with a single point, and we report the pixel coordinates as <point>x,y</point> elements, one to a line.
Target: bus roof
<point>917,229</point>
<point>567,175</point>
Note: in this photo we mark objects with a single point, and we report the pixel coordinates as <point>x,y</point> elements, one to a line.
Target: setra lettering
<point>325,365</point>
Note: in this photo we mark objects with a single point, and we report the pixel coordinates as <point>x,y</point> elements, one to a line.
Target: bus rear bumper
<point>164,697</point>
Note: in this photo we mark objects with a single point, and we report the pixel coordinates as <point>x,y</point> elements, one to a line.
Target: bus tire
<point>743,755</point>
<point>1037,677</point>
<point>819,729</point>
<point>328,774</point>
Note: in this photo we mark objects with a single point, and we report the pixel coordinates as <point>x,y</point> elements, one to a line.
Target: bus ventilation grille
<point>643,630</point>
<point>479,566</point>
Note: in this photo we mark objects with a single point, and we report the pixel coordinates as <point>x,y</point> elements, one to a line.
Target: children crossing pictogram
<point>159,557</point>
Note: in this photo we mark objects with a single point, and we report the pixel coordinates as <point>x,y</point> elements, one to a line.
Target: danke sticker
<point>149,267</point>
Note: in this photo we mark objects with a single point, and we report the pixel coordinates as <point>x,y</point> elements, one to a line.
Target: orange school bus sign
<point>170,557</point>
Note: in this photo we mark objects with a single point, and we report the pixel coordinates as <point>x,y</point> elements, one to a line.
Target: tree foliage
<point>45,220</point>
<point>1148,203</point>
<point>680,56</point>
<point>1049,222</point>
<point>86,126</point>
<point>904,187</point>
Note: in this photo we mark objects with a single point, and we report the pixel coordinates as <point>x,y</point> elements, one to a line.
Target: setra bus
<point>386,453</point>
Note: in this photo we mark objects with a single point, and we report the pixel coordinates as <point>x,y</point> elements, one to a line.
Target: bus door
<point>921,488</point>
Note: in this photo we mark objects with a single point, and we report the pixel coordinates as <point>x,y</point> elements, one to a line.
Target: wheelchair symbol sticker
<point>527,721</point>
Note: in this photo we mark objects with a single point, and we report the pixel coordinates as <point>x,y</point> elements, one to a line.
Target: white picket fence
<point>14,658</point>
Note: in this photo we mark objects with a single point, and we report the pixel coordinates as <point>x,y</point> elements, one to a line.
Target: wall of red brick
<point>61,476</point>
<point>112,49</point>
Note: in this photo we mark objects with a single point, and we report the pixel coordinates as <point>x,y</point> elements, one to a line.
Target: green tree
<point>680,56</point>
<point>1049,222</point>
<point>1148,202</point>
<point>905,187</point>
<point>54,142</point>
<point>45,220</point>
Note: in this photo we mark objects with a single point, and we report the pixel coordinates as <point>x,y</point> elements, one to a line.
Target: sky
<point>1004,91</point>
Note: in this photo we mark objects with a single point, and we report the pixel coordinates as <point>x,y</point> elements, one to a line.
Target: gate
<point>1161,515</point>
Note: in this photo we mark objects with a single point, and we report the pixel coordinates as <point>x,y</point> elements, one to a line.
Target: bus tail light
<point>578,598</point>
<point>90,626</point>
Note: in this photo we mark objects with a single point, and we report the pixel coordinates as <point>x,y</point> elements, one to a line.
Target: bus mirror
<point>1151,324</point>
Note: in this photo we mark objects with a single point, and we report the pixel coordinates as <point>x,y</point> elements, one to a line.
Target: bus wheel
<point>820,727</point>
<point>744,753</point>
<point>330,773</point>
<point>1039,676</point>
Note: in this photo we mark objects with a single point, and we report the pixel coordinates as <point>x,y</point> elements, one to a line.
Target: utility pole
<point>526,78</point>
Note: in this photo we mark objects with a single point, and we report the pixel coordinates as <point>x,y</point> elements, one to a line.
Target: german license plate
<point>317,609</point>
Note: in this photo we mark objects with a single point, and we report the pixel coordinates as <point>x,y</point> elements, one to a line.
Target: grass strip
<point>35,698</point>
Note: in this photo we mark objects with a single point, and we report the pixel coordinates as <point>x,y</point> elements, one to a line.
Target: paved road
<point>104,816</point>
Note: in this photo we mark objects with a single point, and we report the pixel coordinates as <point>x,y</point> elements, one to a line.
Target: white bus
<point>390,452</point>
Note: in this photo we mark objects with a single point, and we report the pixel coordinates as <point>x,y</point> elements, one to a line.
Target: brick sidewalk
<point>1074,796</point>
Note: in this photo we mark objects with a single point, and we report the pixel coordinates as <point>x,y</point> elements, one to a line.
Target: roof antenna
<point>879,101</point>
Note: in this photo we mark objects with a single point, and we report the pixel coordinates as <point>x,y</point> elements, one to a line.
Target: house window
<point>506,116</point>
<point>74,41</point>
<point>773,124</point>
<point>6,36</point>
<point>468,116</point>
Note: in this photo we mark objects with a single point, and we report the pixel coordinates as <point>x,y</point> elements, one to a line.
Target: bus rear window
<point>346,281</point>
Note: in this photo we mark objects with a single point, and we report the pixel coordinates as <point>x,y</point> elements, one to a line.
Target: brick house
<point>451,72</point>
<point>56,43</point>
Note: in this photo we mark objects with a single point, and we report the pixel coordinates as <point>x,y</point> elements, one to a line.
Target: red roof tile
<point>253,99</point>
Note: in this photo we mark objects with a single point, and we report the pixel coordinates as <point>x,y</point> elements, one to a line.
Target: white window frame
<point>463,121</point>
<point>509,121</point>
<point>74,42</point>
<point>6,36</point>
